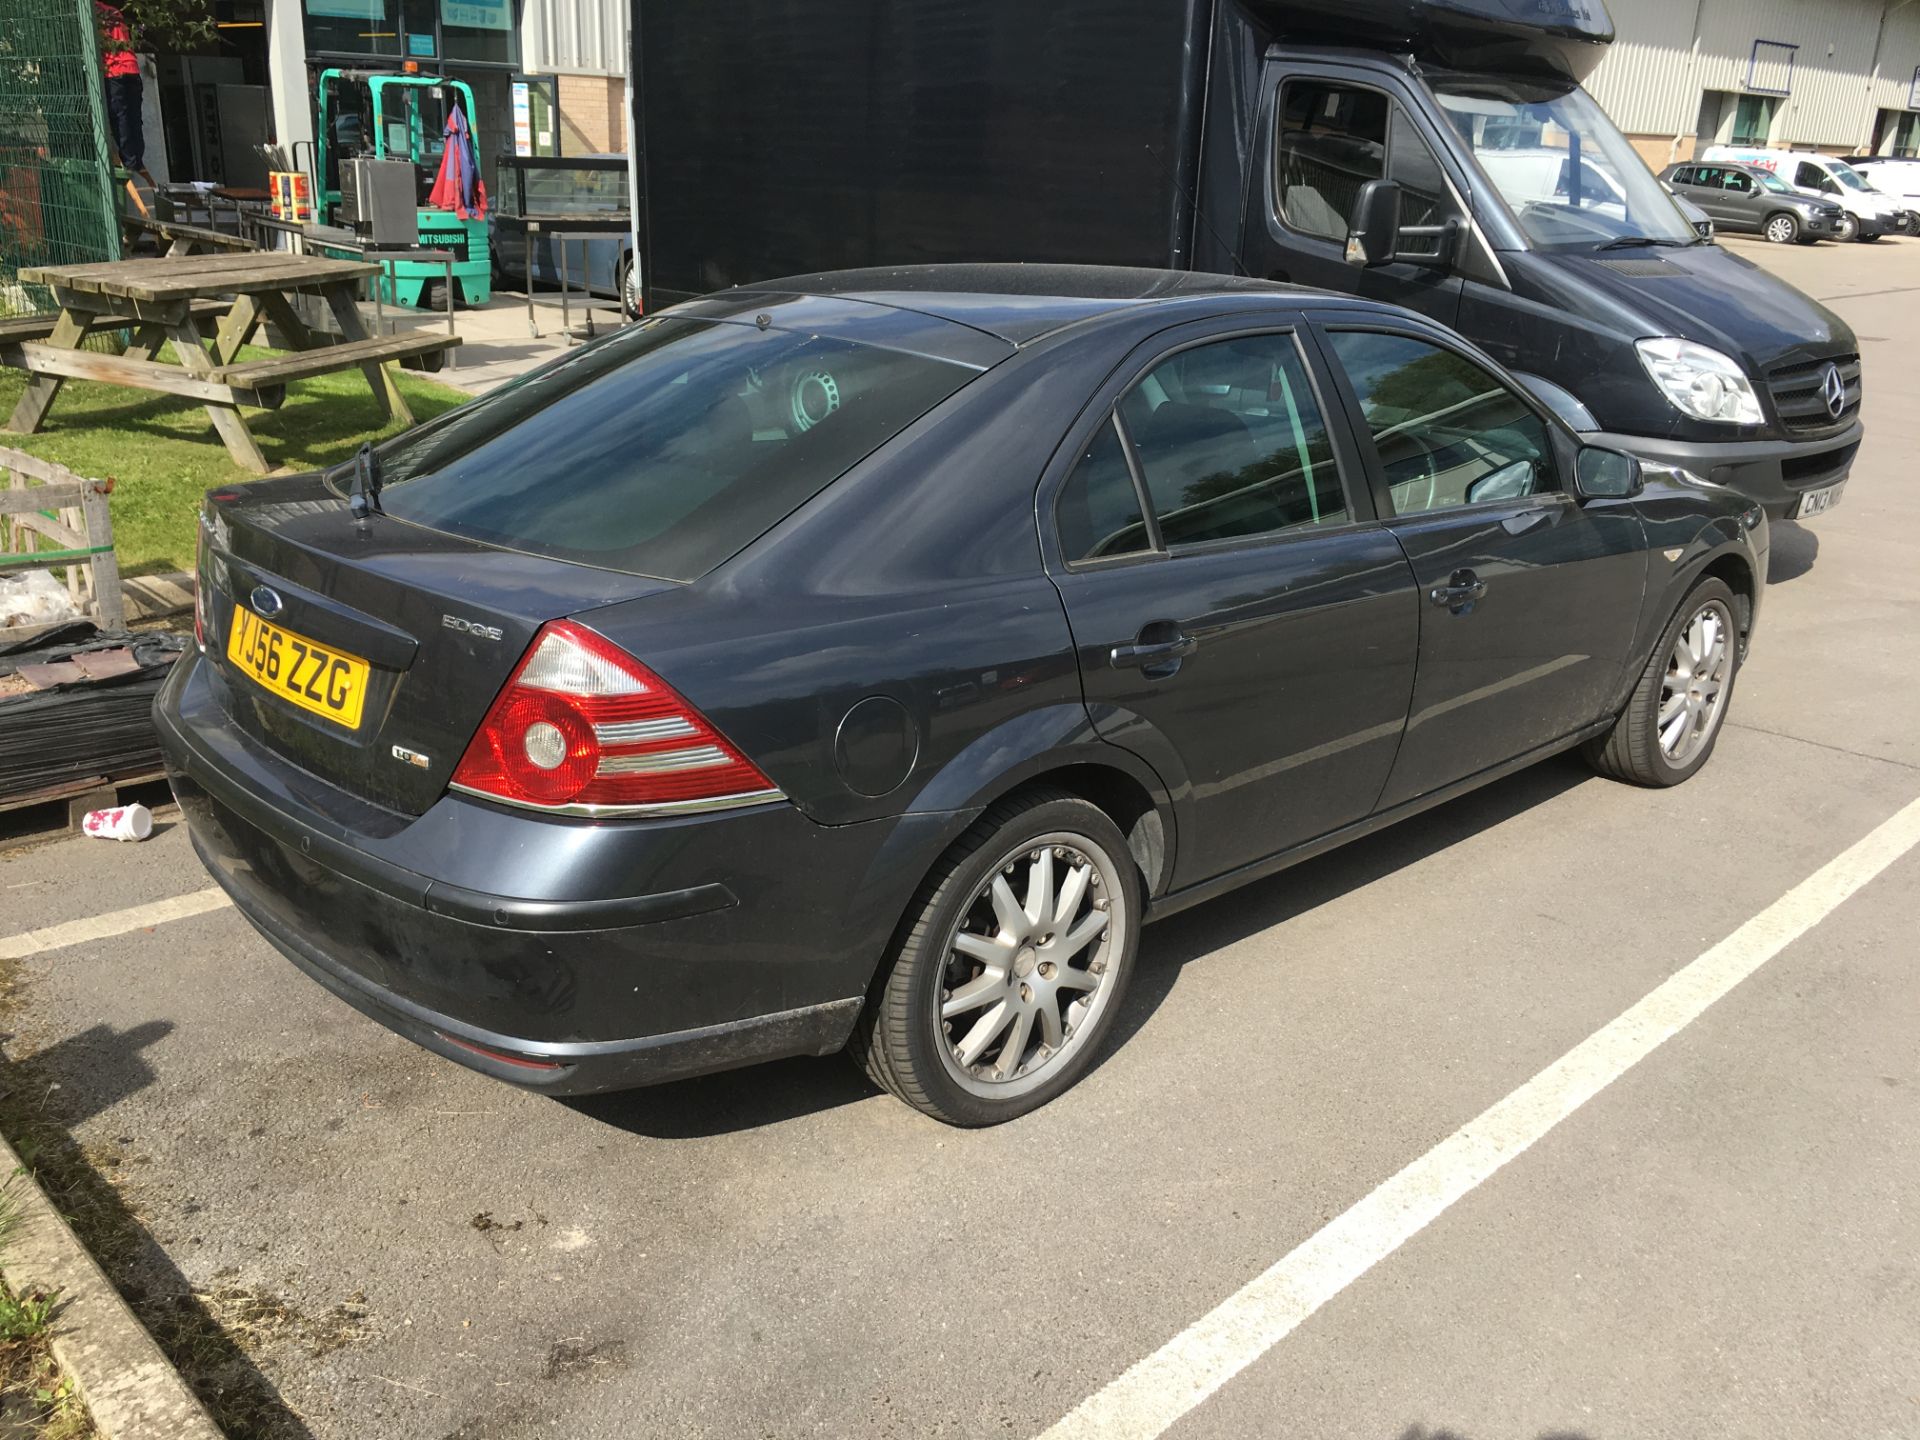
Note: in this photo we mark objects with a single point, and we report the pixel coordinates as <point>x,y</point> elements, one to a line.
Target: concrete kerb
<point>129,1387</point>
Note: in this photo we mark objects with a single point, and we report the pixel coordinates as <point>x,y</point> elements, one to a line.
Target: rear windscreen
<point>663,450</point>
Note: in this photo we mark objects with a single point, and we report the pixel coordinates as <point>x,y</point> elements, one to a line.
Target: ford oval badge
<point>267,602</point>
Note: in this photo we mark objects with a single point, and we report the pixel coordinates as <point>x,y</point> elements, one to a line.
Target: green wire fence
<point>57,201</point>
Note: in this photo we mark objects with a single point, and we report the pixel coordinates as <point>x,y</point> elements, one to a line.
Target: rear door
<point>1528,599</point>
<point>1242,621</point>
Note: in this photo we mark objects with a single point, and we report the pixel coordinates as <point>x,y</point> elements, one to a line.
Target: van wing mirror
<point>1375,236</point>
<point>1603,474</point>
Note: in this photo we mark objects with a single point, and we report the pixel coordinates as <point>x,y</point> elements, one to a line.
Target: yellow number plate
<point>330,683</point>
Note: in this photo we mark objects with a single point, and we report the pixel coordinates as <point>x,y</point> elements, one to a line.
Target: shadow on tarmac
<point>739,1100</point>
<point>1794,549</point>
<point>41,1098</point>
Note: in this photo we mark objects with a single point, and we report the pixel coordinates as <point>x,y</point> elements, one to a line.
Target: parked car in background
<point>580,204</point>
<point>1746,198</point>
<point>1867,214</point>
<point>1895,175</point>
<point>859,660</point>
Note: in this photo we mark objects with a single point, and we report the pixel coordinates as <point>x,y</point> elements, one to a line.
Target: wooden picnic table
<point>166,298</point>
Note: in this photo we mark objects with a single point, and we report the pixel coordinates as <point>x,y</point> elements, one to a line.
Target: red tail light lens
<point>583,727</point>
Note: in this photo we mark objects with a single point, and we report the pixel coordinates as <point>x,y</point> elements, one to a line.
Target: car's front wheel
<point>1010,967</point>
<point>1782,229</point>
<point>1668,728</point>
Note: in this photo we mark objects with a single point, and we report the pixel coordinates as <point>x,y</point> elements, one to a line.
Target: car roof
<point>1022,303</point>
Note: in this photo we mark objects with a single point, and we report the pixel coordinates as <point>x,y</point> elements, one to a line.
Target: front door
<point>1528,599</point>
<point>1330,136</point>
<point>1243,622</point>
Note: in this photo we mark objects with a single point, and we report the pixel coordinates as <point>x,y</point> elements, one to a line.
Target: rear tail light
<point>584,728</point>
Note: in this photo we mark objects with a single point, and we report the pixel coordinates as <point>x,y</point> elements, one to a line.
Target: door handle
<point>1154,656</point>
<point>1460,594</point>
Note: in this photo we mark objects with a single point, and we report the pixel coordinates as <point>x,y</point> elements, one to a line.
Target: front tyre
<point>1783,229</point>
<point>1011,964</point>
<point>1668,728</point>
<point>1847,228</point>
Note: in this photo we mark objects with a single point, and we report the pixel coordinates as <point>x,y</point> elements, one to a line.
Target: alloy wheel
<point>1694,694</point>
<point>1780,230</point>
<point>1028,965</point>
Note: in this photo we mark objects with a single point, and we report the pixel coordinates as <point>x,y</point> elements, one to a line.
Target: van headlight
<point>1700,382</point>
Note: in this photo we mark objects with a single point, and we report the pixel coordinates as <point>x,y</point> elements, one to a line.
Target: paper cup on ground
<point>122,822</point>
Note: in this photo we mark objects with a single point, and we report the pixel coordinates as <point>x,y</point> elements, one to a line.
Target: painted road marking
<point>115,922</point>
<point>1150,1397</point>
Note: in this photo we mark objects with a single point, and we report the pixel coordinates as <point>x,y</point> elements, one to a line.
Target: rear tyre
<point>1782,229</point>
<point>1010,966</point>
<point>629,289</point>
<point>1847,228</point>
<point>1670,725</point>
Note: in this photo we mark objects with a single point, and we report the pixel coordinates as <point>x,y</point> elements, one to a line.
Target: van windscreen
<point>1565,171</point>
<point>663,449</point>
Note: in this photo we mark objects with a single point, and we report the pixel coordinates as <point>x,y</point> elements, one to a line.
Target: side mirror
<point>1606,475</point>
<point>1375,235</point>
<point>1373,232</point>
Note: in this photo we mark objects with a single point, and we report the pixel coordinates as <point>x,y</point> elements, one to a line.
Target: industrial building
<point>1833,75</point>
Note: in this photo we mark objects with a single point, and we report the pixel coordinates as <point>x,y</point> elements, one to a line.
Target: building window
<point>1753,120</point>
<point>475,31</point>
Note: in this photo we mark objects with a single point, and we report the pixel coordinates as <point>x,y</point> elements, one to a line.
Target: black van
<point>1439,154</point>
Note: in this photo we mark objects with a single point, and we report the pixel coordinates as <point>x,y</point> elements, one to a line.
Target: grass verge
<point>165,455</point>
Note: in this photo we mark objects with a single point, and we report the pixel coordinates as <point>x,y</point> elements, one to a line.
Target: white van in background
<point>1869,214</point>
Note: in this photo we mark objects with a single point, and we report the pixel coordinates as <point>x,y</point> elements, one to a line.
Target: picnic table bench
<point>184,239</point>
<point>169,298</point>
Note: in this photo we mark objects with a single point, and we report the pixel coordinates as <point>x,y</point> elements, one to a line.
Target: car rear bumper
<point>1772,473</point>
<point>565,956</point>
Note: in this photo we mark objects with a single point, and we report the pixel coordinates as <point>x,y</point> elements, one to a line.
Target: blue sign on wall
<point>420,45</point>
<point>349,9</point>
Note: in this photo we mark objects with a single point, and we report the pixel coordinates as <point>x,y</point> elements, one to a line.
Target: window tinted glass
<point>1449,433</point>
<point>1333,139</point>
<point>1231,442</point>
<point>1423,188</point>
<point>1809,176</point>
<point>1099,510</point>
<point>664,449</point>
<point>1737,182</point>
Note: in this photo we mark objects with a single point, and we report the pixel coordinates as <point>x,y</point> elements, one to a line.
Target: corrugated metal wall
<point>575,36</point>
<point>1670,51</point>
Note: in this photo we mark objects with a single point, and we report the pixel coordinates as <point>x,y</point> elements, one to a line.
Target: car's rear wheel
<point>1011,965</point>
<point>1847,227</point>
<point>629,289</point>
<point>1782,229</point>
<point>1668,729</point>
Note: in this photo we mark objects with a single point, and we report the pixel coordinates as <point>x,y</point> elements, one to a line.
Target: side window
<point>1809,176</point>
<point>1684,176</point>
<point>1333,139</point>
<point>1231,442</point>
<point>1098,511</point>
<point>1449,433</point>
<point>1738,183</point>
<point>1412,163</point>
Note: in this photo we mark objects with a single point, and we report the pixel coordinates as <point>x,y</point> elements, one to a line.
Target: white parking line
<point>114,922</point>
<point>1150,1397</point>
